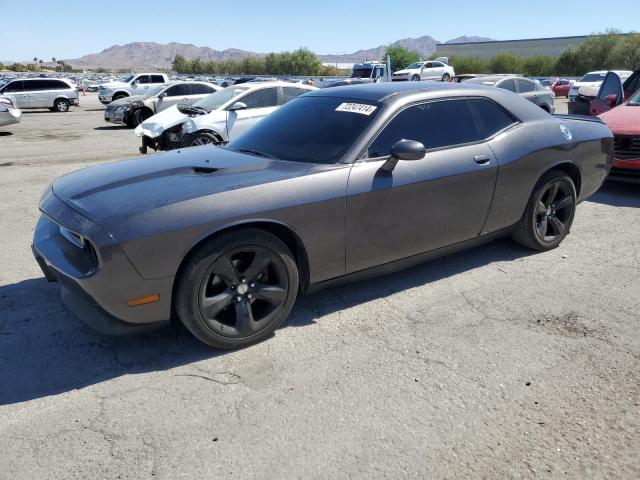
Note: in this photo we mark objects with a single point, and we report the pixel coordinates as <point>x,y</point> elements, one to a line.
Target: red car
<point>624,122</point>
<point>561,88</point>
<point>613,92</point>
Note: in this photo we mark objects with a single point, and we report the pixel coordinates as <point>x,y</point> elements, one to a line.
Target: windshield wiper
<point>256,153</point>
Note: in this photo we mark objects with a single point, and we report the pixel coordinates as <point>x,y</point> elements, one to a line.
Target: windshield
<point>361,73</point>
<point>413,66</point>
<point>309,129</point>
<point>545,83</point>
<point>126,79</point>
<point>219,98</point>
<point>593,77</point>
<point>154,91</point>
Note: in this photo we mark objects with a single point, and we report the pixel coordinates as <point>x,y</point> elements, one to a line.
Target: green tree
<point>626,53</point>
<point>2,67</point>
<point>463,64</point>
<point>596,50</point>
<point>179,64</point>
<point>570,64</point>
<point>505,62</point>
<point>401,57</point>
<point>18,67</point>
<point>538,66</point>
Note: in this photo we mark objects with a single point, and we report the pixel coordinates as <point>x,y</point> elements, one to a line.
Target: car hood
<point>112,85</point>
<point>115,194</point>
<point>125,100</point>
<point>623,120</point>
<point>158,123</point>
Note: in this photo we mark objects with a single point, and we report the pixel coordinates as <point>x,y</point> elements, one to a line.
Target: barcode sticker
<point>361,108</point>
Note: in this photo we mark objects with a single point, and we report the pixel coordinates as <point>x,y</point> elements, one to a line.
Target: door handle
<point>482,159</point>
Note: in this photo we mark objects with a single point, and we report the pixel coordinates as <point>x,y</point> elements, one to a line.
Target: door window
<point>142,79</point>
<point>632,84</point>
<point>610,86</point>
<point>434,124</point>
<point>508,85</point>
<point>201,89</point>
<point>179,90</point>
<point>289,93</point>
<point>266,97</point>
<point>157,79</point>
<point>526,86</point>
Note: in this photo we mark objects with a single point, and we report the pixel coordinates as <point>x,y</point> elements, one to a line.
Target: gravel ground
<point>492,363</point>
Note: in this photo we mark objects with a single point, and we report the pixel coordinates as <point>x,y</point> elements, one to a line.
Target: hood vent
<point>204,170</point>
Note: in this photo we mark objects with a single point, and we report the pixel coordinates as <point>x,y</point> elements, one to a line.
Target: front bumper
<point>96,282</point>
<point>627,171</point>
<point>105,99</point>
<point>114,116</point>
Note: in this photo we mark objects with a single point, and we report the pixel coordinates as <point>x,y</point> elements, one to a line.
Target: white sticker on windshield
<point>356,108</point>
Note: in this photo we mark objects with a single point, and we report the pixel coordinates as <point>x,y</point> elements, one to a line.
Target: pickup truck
<point>134,84</point>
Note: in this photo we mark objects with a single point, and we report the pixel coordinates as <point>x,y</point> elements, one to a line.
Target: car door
<point>140,84</point>
<point>175,94</point>
<point>425,204</point>
<point>527,89</point>
<point>16,90</point>
<point>260,103</point>
<point>609,95</point>
<point>426,72</point>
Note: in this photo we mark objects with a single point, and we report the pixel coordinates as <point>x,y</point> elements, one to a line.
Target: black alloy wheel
<point>554,212</point>
<point>243,291</point>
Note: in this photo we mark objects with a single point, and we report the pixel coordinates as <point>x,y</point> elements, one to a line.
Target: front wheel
<point>237,288</point>
<point>549,214</point>
<point>415,78</point>
<point>199,138</point>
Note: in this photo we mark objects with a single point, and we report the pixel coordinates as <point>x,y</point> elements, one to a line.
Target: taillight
<point>6,101</point>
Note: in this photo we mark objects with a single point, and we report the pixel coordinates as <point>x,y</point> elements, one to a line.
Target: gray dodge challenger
<point>337,185</point>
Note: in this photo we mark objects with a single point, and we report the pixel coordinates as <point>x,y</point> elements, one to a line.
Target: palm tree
<point>40,62</point>
<point>53,59</point>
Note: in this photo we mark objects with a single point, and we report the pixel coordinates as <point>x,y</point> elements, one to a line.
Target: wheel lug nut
<point>248,295</point>
<point>239,298</point>
<point>252,285</point>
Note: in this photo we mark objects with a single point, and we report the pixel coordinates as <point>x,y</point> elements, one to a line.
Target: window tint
<point>435,124</point>
<point>525,86</point>
<point>632,84</point>
<point>15,86</point>
<point>267,97</point>
<point>179,90</point>
<point>490,118</point>
<point>201,89</point>
<point>610,86</point>
<point>35,85</point>
<point>429,65</point>
<point>142,79</point>
<point>289,93</point>
<point>508,85</point>
<point>157,79</point>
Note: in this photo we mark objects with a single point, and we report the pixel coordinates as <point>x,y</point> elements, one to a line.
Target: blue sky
<point>33,28</point>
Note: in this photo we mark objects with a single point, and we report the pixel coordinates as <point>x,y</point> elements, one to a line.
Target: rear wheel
<point>237,288</point>
<point>549,213</point>
<point>61,105</point>
<point>446,77</point>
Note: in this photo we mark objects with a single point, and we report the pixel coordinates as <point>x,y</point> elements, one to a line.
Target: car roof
<point>273,83</point>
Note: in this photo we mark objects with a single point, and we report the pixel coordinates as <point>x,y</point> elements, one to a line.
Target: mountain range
<point>157,55</point>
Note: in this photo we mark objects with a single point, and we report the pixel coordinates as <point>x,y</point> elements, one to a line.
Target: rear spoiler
<point>585,118</point>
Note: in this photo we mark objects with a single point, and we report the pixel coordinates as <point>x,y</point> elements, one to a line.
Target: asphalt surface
<point>492,363</point>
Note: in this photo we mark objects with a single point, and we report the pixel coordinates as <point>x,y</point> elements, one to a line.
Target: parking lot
<point>491,363</point>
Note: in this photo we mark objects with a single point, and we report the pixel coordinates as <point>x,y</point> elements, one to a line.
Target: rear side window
<point>15,86</point>
<point>157,79</point>
<point>525,86</point>
<point>179,90</point>
<point>267,97</point>
<point>35,85</point>
<point>490,118</point>
<point>289,93</point>
<point>435,124</point>
<point>508,85</point>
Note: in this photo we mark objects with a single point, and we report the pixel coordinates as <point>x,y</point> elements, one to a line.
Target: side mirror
<point>404,150</point>
<point>612,100</point>
<point>162,95</point>
<point>238,106</point>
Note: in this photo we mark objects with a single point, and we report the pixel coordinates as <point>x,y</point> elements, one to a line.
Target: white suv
<point>134,84</point>
<point>431,70</point>
<point>56,94</point>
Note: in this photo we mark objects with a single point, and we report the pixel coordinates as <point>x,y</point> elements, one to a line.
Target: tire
<point>139,116</point>
<point>61,105</point>
<point>199,138</point>
<point>549,214</point>
<point>221,307</point>
<point>415,78</point>
<point>446,77</point>
<point>118,96</point>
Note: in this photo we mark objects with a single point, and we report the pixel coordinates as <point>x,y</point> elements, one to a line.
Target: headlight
<point>189,126</point>
<point>156,129</point>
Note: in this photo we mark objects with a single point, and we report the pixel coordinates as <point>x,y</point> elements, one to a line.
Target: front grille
<point>626,147</point>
